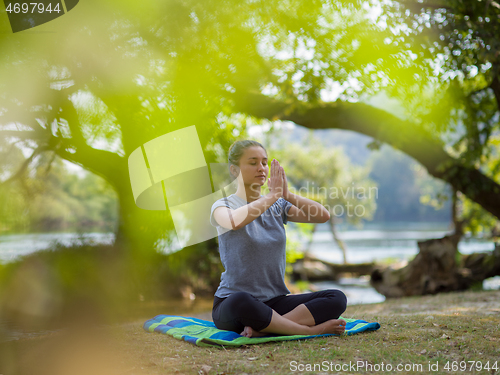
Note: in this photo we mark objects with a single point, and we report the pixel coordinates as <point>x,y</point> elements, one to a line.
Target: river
<point>14,246</point>
<point>373,243</point>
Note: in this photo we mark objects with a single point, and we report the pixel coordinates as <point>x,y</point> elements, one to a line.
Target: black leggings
<point>241,309</point>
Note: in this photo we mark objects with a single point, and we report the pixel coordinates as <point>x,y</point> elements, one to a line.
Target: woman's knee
<point>242,303</point>
<point>336,299</point>
<point>339,297</point>
<point>242,309</point>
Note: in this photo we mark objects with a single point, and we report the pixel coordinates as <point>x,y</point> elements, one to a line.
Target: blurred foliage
<point>98,83</point>
<point>457,94</point>
<point>167,65</point>
<point>110,80</point>
<point>49,287</point>
<point>45,288</point>
<point>52,199</point>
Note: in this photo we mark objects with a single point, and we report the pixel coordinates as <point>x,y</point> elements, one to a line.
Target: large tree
<point>115,75</point>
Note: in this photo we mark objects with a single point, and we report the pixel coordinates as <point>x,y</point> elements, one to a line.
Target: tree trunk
<point>138,230</point>
<point>309,245</point>
<point>194,270</point>
<point>337,239</point>
<point>435,269</point>
<point>483,265</point>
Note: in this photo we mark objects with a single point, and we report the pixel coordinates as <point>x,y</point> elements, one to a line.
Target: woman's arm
<point>304,210</point>
<point>236,219</point>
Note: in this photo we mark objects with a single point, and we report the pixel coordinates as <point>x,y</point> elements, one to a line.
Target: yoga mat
<point>204,333</point>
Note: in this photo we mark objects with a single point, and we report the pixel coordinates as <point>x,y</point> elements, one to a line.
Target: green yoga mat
<point>204,333</point>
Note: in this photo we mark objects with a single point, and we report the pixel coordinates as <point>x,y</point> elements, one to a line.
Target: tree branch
<point>106,164</point>
<point>381,125</point>
<point>69,113</point>
<point>103,163</point>
<point>22,169</point>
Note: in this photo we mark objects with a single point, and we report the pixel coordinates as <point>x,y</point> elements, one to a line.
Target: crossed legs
<point>309,314</point>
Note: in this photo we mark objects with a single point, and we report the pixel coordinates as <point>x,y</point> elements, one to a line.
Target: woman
<point>252,298</point>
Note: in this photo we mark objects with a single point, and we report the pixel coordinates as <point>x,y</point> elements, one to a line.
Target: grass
<point>416,331</point>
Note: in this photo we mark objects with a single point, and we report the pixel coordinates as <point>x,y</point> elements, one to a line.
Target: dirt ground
<point>430,330</point>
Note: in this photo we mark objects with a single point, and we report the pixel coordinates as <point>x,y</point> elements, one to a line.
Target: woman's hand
<point>276,181</point>
<point>285,184</point>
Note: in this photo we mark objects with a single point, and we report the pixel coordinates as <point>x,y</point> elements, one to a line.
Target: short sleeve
<point>285,207</point>
<point>220,203</point>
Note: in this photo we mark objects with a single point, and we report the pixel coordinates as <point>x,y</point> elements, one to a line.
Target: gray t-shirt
<point>254,256</point>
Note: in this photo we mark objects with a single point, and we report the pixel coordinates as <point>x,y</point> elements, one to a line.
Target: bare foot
<point>336,326</point>
<point>250,332</point>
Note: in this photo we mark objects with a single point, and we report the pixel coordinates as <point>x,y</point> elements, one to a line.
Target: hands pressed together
<point>277,183</point>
